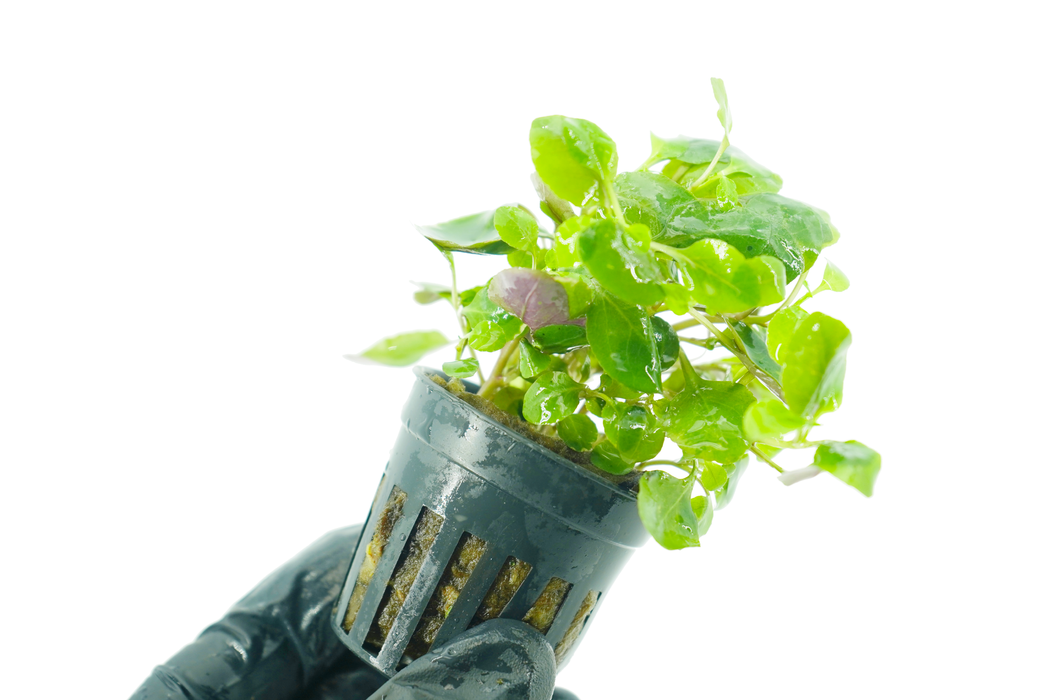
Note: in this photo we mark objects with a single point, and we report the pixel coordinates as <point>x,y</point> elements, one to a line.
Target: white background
<point>204,205</point>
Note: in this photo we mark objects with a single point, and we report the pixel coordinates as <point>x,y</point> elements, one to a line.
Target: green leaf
<point>509,398</point>
<point>633,430</point>
<point>763,224</point>
<point>578,432</point>
<point>429,293</point>
<point>619,264</point>
<point>556,208</point>
<point>854,463</point>
<point>622,338</point>
<point>531,362</point>
<point>614,389</point>
<point>834,279</point>
<point>566,251</point>
<point>403,349</point>
<point>677,298</point>
<point>664,504</point>
<point>754,340</point>
<point>692,156</point>
<point>607,458</point>
<point>559,339</point>
<point>707,417</point>
<point>572,156</point>
<point>469,234</point>
<point>815,365</point>
<point>725,118</point>
<point>487,336</point>
<point>781,327</point>
<point>726,193</point>
<point>519,258</point>
<point>769,420</point>
<point>722,279</point>
<point>667,343</point>
<point>482,309</point>
<point>553,396</point>
<point>653,200</point>
<point>701,506</point>
<point>461,369</point>
<point>725,494</point>
<point>577,290</point>
<point>713,476</point>
<point>517,227</point>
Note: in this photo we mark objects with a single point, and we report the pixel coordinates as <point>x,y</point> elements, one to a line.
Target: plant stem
<point>762,456</point>
<point>459,313</point>
<point>667,462</point>
<point>710,166</point>
<point>731,346</point>
<point>497,370</point>
<point>613,202</point>
<point>799,283</point>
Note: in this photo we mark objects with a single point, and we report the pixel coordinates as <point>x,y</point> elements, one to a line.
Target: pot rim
<point>424,373</point>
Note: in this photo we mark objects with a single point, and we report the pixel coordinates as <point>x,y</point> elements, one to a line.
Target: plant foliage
<point>591,323</point>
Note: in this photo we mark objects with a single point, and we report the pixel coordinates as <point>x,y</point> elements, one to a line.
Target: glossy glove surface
<point>276,644</point>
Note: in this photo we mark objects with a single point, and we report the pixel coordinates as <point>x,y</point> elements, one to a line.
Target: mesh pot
<point>472,521</point>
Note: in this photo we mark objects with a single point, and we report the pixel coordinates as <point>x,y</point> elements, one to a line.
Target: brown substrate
<point>467,555</point>
<point>525,429</point>
<point>392,513</point>
<point>571,634</point>
<point>542,613</point>
<point>509,579</point>
<point>412,558</point>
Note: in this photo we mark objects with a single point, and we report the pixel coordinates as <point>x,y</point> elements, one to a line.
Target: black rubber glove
<point>276,644</point>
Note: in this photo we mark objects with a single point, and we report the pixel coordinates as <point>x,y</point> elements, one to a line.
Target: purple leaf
<point>531,295</point>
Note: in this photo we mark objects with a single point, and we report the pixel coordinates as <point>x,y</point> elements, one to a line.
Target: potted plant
<point>650,339</point>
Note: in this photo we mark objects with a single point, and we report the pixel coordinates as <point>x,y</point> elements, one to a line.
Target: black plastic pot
<point>474,521</point>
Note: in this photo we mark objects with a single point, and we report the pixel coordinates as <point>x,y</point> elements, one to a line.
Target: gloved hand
<point>277,644</point>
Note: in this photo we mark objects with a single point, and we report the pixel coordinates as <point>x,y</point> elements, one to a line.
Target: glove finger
<point>500,659</point>
<point>274,643</point>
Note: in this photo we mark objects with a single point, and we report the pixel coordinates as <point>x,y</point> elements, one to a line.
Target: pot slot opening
<point>428,524</point>
<point>388,518</point>
<point>542,613</point>
<point>465,558</point>
<point>576,626</point>
<point>507,582</point>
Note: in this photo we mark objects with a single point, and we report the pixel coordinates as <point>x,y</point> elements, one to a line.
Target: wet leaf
<point>469,234</point>
<point>707,417</point>
<point>734,471</point>
<point>666,342</point>
<point>553,396</point>
<point>578,432</point>
<point>532,362</point>
<point>722,279</point>
<point>781,327</point>
<point>694,155</point>
<point>487,336</point>
<point>559,339</point>
<point>530,295</point>
<point>763,224</point>
<point>622,339</point>
<point>572,156</point>
<point>653,200</point>
<point>666,510</point>
<point>517,227</point>
<point>834,279</point>
<point>566,252</point>
<point>705,514</point>
<point>461,369</point>
<point>577,290</point>
<point>482,309</point>
<point>815,365</point>
<point>713,477</point>
<point>754,340</point>
<point>770,420</point>
<point>852,462</point>
<point>607,458</point>
<point>619,264</point>
<point>403,349</point>
<point>633,430</point>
